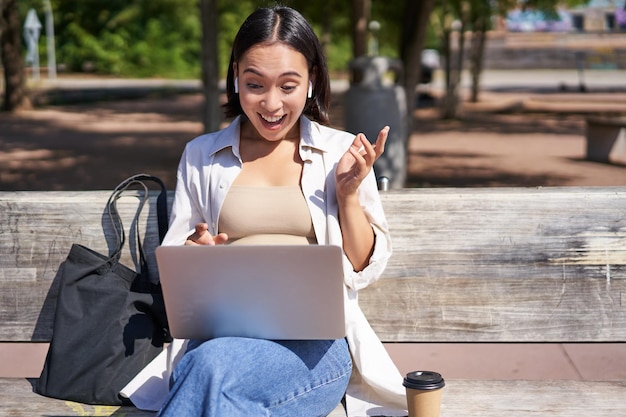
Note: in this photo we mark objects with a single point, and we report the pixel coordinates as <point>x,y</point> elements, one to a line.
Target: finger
<point>201,228</point>
<point>196,236</point>
<point>357,143</point>
<point>367,151</point>
<point>220,239</point>
<point>359,152</point>
<point>381,140</point>
<point>190,242</point>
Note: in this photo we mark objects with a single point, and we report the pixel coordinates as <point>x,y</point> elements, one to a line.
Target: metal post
<point>383,184</point>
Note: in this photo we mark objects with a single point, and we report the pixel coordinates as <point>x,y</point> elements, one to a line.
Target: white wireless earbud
<point>310,92</point>
<point>236,85</point>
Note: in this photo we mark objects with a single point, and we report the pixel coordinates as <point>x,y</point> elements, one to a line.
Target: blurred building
<point>595,16</point>
<point>592,36</point>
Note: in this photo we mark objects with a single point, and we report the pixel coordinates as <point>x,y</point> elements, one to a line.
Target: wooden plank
<point>495,310</point>
<point>546,264</point>
<point>37,230</point>
<point>18,400</point>
<point>533,398</point>
<point>504,228</point>
<point>460,398</point>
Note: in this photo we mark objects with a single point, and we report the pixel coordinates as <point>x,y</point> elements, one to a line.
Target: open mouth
<point>272,121</point>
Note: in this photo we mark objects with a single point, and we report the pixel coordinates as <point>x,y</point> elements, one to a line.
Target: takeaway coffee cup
<point>423,393</point>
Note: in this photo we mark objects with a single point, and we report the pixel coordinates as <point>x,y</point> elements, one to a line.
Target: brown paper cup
<point>423,393</point>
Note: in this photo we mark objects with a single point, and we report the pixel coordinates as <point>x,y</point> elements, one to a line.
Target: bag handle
<point>162,214</point>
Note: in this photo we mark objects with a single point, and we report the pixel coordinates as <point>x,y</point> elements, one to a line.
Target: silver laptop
<point>271,292</point>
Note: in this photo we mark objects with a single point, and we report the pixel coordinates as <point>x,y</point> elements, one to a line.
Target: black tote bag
<point>109,319</point>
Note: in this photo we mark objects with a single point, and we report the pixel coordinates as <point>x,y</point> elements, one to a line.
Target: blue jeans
<point>232,376</point>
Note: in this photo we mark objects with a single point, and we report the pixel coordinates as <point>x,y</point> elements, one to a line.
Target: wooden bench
<point>606,139</point>
<point>470,265</point>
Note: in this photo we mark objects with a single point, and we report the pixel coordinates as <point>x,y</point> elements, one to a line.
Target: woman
<point>277,175</point>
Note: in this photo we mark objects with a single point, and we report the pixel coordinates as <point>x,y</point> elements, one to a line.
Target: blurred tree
<point>414,28</point>
<point>15,94</point>
<point>212,115</point>
<point>361,12</point>
<point>480,23</point>
<point>453,21</point>
<point>129,37</point>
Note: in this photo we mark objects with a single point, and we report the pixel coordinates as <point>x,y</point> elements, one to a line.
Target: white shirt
<point>208,167</point>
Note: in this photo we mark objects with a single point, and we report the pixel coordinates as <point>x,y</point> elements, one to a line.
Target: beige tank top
<point>266,216</point>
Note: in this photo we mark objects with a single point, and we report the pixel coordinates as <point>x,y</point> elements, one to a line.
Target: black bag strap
<point>162,214</point>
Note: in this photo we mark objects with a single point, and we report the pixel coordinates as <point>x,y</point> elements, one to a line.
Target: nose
<point>272,100</point>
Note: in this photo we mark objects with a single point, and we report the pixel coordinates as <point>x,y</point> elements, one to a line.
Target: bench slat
<point>499,265</point>
<point>18,400</point>
<point>533,398</point>
<point>505,310</point>
<point>37,230</point>
<point>487,265</point>
<point>460,398</point>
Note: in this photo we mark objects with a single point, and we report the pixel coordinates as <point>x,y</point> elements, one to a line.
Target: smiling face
<point>273,83</point>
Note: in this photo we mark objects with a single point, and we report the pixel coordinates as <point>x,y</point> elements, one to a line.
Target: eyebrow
<point>285,74</point>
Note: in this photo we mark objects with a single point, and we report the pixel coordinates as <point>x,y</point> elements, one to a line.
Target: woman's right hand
<point>202,236</point>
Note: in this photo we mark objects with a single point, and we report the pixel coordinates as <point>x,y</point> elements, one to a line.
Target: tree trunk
<point>326,35</point>
<point>15,94</point>
<point>416,16</point>
<point>480,23</point>
<point>361,10</point>
<point>212,114</point>
<point>448,58</point>
<point>454,45</point>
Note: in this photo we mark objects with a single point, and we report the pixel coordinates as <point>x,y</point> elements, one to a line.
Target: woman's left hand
<point>357,162</point>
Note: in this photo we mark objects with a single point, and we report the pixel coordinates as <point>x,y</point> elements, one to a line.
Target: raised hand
<point>357,162</point>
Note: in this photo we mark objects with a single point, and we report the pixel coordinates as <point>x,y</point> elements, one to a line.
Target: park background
<point>127,97</point>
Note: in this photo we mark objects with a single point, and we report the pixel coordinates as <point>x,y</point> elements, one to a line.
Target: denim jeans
<point>232,376</point>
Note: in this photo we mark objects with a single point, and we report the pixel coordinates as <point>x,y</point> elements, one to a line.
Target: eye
<point>288,88</point>
<point>253,86</point>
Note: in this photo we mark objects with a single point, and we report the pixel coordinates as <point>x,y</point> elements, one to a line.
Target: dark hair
<point>285,25</point>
